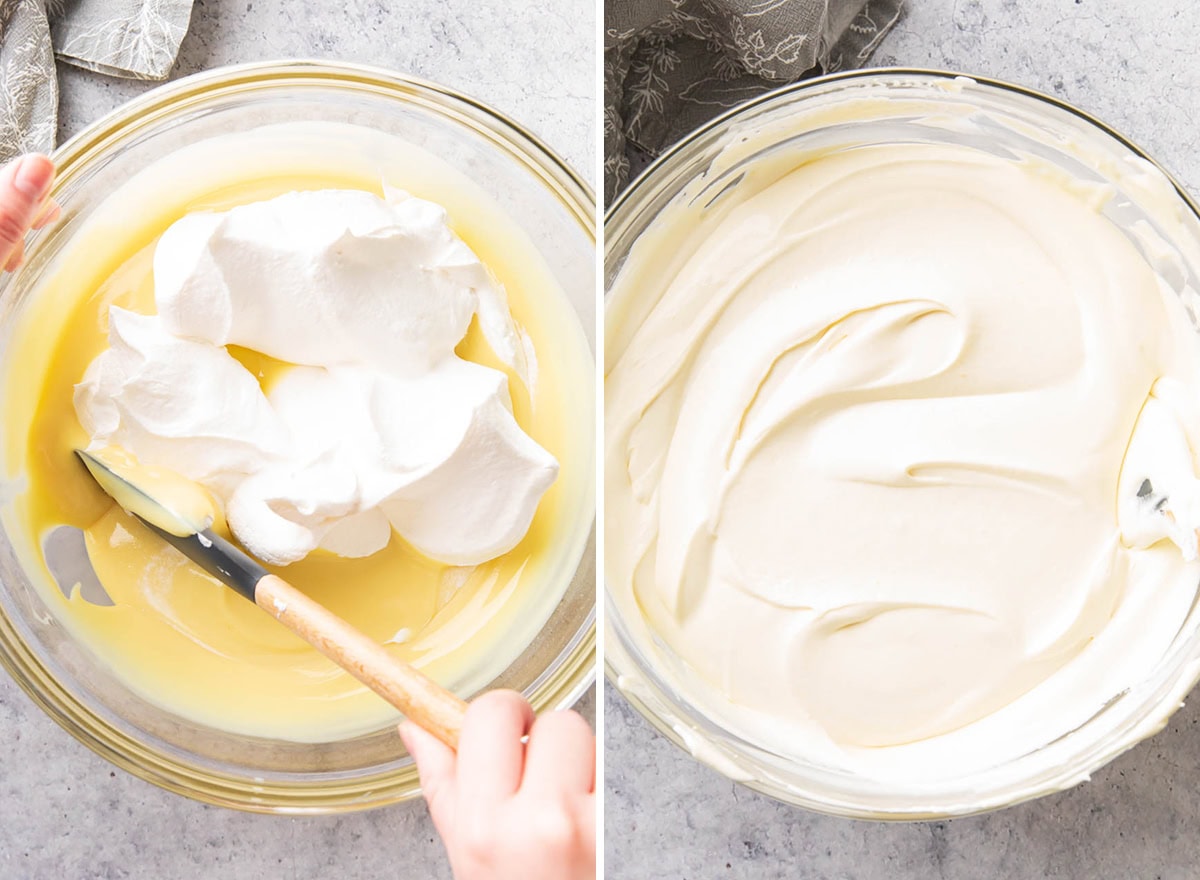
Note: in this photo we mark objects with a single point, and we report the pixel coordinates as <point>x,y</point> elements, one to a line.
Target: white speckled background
<point>1132,63</point>
<point>66,814</point>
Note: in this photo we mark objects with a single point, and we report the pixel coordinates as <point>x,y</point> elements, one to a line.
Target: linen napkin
<point>670,65</point>
<point>129,38</point>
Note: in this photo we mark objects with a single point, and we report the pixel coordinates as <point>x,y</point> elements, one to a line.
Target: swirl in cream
<point>866,430</point>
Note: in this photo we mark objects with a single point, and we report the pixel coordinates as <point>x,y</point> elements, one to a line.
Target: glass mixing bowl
<point>527,181</point>
<point>852,110</point>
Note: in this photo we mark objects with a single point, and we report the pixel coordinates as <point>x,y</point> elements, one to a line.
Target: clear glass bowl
<point>528,182</point>
<point>889,106</point>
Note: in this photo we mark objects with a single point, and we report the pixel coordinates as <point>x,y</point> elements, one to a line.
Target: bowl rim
<point>933,73</point>
<point>622,203</point>
<point>574,193</point>
<point>365,790</point>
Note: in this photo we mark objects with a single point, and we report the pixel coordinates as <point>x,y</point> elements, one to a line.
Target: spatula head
<point>160,497</point>
<point>179,510</point>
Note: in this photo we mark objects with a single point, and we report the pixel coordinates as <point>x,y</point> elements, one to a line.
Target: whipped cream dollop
<point>876,427</point>
<point>377,425</point>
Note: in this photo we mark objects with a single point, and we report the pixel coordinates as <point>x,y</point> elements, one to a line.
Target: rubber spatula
<point>423,701</point>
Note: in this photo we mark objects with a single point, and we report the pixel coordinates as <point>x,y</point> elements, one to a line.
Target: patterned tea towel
<point>670,65</point>
<point>131,38</point>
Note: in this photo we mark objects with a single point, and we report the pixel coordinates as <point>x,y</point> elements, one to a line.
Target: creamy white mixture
<point>867,424</point>
<point>379,425</point>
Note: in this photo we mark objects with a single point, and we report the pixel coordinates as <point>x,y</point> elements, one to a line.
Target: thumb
<point>24,183</point>
<point>438,766</point>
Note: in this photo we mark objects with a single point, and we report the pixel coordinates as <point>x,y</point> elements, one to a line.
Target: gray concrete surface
<point>66,814</point>
<point>1132,63</point>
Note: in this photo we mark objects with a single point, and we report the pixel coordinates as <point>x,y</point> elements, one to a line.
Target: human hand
<point>506,810</point>
<point>24,187</point>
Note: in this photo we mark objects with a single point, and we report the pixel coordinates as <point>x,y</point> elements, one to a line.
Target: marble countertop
<point>65,813</point>
<point>1131,63</point>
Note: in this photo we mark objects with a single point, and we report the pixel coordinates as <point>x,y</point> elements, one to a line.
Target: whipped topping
<point>379,425</point>
<point>331,277</point>
<point>867,422</point>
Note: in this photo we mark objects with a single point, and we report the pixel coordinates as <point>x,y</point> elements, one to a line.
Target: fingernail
<point>34,176</point>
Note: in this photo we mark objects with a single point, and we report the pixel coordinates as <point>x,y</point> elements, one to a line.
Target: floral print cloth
<point>670,65</point>
<point>131,38</point>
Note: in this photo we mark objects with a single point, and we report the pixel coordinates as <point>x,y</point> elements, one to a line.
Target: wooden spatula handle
<point>422,700</point>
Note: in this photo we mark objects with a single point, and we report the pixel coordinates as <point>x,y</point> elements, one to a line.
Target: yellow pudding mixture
<point>174,634</point>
